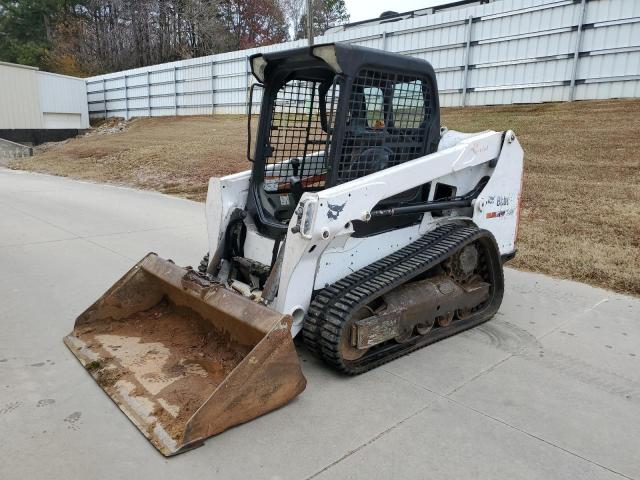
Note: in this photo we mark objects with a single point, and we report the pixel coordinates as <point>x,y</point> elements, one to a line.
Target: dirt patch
<point>167,357</point>
<point>107,377</point>
<point>581,215</point>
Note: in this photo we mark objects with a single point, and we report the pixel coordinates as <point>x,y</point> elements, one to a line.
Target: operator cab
<point>334,113</point>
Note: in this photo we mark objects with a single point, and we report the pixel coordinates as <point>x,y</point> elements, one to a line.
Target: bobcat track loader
<point>362,227</point>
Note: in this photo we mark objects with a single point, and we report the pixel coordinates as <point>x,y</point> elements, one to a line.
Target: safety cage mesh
<point>387,123</point>
<point>296,132</point>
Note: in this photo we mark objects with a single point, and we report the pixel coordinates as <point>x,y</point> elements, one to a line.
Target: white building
<point>38,106</point>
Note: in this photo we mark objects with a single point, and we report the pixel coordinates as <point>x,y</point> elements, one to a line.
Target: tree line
<point>91,37</point>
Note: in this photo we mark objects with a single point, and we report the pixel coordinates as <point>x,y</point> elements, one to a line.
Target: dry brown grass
<point>174,155</point>
<point>581,218</point>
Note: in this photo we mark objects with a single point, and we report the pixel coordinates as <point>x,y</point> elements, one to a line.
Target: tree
<point>87,37</point>
<point>254,23</point>
<point>326,14</point>
<point>26,28</point>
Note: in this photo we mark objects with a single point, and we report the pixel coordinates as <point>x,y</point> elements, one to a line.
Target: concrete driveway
<point>548,389</point>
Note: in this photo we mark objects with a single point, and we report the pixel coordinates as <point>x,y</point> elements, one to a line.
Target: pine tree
<point>26,29</point>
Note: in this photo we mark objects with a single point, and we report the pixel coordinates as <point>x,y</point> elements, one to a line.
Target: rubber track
<point>333,305</point>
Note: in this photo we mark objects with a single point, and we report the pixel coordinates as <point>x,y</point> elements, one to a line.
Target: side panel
<point>498,207</point>
<point>346,255</point>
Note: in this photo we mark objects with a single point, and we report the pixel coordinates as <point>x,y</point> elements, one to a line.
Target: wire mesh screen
<point>297,141</point>
<point>386,124</point>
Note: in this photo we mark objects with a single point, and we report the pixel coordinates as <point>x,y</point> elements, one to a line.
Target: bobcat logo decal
<point>334,210</point>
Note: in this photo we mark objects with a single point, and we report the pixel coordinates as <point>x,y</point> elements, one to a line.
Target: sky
<point>366,9</point>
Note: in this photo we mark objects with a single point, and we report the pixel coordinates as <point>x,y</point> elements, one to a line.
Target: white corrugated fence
<point>511,51</point>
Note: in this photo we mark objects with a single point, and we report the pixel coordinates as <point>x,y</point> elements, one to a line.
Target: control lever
<point>296,188</point>
<point>295,181</point>
<point>295,164</point>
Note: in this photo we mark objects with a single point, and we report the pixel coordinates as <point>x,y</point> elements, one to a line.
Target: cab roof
<point>339,57</point>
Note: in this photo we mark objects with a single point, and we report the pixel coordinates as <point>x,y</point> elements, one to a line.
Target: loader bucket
<point>183,358</point>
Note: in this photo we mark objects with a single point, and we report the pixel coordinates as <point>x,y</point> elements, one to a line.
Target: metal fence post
<point>175,92</point>
<point>104,96</point>
<point>148,94</point>
<point>126,98</point>
<point>247,70</point>
<point>212,89</point>
<point>576,51</point>
<point>465,75</point>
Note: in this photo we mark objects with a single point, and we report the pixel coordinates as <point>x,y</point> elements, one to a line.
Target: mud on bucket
<point>185,359</point>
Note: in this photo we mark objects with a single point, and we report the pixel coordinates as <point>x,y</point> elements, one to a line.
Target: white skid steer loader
<point>362,225</point>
